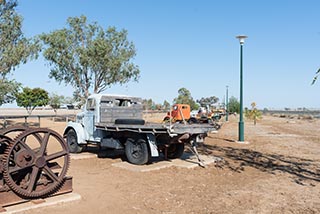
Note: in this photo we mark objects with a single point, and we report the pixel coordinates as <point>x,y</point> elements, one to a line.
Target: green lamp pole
<point>227,104</point>
<point>241,123</point>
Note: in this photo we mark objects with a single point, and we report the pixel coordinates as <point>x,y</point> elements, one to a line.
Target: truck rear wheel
<point>175,150</point>
<point>72,142</point>
<point>137,151</point>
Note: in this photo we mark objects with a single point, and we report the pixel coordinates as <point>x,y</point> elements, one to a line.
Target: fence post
<point>25,121</point>
<point>4,123</point>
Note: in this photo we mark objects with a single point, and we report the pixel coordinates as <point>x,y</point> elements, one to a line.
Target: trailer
<point>116,122</point>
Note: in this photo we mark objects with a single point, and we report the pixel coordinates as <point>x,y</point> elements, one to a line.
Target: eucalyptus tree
<point>15,48</point>
<point>89,57</point>
<point>8,90</point>
<point>185,97</point>
<point>204,101</point>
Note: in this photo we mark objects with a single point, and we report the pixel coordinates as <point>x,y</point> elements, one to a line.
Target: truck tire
<point>175,150</point>
<point>193,120</point>
<point>130,121</point>
<point>72,142</point>
<point>137,151</point>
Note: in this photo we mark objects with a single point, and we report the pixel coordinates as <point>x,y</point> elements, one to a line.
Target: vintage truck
<point>116,122</point>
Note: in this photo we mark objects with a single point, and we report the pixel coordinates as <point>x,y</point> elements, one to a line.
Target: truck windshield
<point>91,103</point>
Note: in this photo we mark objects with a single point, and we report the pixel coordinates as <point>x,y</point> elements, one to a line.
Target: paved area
<point>34,204</point>
<point>84,155</point>
<point>187,160</point>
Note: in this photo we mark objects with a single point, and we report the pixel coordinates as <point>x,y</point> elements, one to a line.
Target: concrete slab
<point>84,155</point>
<point>187,160</point>
<point>35,204</point>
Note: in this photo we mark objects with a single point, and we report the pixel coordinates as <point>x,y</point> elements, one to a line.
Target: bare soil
<point>277,172</point>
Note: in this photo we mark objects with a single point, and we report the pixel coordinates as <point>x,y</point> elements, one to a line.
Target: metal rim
<point>33,172</point>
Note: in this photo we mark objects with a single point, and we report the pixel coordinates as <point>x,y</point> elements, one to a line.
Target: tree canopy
<point>185,97</point>
<point>89,57</point>
<point>31,98</point>
<point>8,90</point>
<point>166,105</point>
<point>204,101</point>
<point>55,101</point>
<point>14,47</point>
<point>234,105</point>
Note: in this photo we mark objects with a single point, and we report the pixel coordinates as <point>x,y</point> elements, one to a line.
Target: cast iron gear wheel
<point>4,143</point>
<point>30,167</point>
<point>11,129</point>
<point>7,134</point>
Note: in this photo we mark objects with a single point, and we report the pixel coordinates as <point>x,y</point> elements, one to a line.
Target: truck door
<point>89,117</point>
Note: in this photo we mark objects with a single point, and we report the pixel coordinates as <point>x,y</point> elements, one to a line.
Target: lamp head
<point>241,38</point>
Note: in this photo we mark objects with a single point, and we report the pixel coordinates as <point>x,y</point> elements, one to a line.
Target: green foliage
<point>234,105</point>
<point>148,104</point>
<point>253,114</point>
<point>14,47</point>
<point>89,57</point>
<point>8,90</point>
<point>31,98</point>
<point>315,77</point>
<point>185,97</point>
<point>55,101</point>
<point>166,105</point>
<point>208,101</point>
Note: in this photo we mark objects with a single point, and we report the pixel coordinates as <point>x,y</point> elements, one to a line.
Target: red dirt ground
<point>277,172</point>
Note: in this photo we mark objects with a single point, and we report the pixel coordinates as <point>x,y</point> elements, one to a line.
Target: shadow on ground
<point>120,154</point>
<point>236,159</point>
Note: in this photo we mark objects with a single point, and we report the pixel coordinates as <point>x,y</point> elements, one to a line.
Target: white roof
<point>98,96</point>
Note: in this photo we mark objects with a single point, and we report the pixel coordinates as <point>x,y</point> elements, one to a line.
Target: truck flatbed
<point>116,122</point>
<point>157,128</point>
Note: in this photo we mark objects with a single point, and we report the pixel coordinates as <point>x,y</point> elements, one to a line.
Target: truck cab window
<point>91,104</point>
<point>122,102</point>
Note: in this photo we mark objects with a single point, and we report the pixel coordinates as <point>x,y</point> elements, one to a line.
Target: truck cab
<point>104,109</point>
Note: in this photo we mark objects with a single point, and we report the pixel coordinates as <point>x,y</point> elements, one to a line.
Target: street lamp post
<point>227,105</point>
<point>241,123</point>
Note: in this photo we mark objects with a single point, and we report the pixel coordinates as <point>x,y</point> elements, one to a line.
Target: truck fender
<point>79,129</point>
<point>152,145</point>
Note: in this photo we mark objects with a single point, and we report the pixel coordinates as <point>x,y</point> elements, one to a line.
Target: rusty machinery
<point>33,165</point>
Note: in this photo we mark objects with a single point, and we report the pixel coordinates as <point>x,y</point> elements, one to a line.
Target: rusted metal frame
<point>9,198</point>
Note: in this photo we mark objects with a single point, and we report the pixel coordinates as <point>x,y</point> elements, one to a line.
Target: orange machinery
<point>179,112</point>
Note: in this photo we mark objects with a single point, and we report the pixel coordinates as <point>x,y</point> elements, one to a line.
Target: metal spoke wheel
<point>35,163</point>
<point>13,129</point>
<point>137,151</point>
<point>4,143</point>
<point>7,134</point>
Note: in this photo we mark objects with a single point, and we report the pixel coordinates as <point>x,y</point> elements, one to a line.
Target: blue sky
<point>192,44</point>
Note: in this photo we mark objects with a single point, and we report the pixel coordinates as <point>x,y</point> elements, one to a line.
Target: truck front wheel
<point>72,142</point>
<point>137,151</point>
